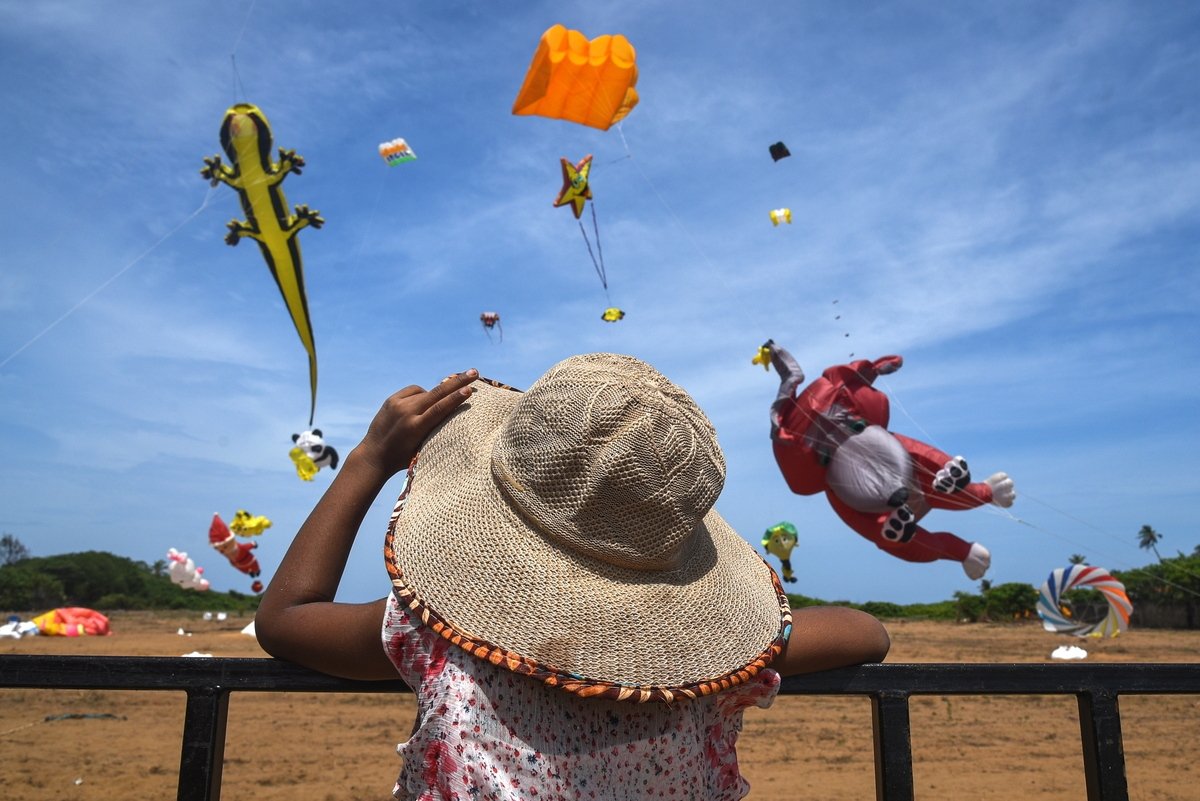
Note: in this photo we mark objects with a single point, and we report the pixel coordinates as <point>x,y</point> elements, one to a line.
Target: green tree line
<point>102,581</point>
<point>1164,595</point>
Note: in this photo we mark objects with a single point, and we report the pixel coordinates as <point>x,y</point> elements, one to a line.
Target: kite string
<point>207,197</point>
<point>1004,512</point>
<point>597,264</point>
<point>600,265</point>
<point>678,222</point>
<point>1108,534</point>
<point>599,249</point>
<point>362,241</point>
<point>1103,554</point>
<point>237,78</point>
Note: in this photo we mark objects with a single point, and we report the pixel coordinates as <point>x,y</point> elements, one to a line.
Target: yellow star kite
<point>575,189</point>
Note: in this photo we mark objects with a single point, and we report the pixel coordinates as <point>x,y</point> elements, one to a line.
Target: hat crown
<point>609,459</point>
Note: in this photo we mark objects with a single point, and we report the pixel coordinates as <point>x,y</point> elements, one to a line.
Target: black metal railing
<point>208,684</point>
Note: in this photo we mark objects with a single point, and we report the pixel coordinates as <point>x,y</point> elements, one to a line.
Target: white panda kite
<point>311,454</point>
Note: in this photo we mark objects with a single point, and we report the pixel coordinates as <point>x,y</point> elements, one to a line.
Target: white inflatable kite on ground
<point>1083,577</point>
<point>1068,652</point>
<point>16,628</point>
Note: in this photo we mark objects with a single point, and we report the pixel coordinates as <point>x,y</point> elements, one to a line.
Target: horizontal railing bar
<point>176,673</point>
<point>272,675</point>
<point>1000,679</point>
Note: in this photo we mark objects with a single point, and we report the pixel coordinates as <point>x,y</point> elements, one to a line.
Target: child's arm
<point>298,619</point>
<point>825,637</point>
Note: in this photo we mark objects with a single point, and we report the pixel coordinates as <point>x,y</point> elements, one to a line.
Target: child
<point>575,619</point>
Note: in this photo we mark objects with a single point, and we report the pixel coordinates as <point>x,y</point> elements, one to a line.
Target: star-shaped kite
<point>575,189</point>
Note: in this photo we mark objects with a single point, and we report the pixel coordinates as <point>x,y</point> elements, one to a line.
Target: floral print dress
<point>484,733</point>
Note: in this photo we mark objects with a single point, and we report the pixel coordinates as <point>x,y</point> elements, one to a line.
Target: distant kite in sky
<point>239,554</point>
<point>575,190</point>
<point>310,453</point>
<point>779,151</point>
<point>612,314</point>
<point>184,572</point>
<point>779,540</point>
<point>246,139</point>
<point>763,357</point>
<point>589,82</point>
<point>245,524</point>
<point>574,79</point>
<point>490,320</point>
<point>396,152</point>
<point>781,216</point>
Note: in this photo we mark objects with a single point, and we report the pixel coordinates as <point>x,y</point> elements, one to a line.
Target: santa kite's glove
<point>953,477</point>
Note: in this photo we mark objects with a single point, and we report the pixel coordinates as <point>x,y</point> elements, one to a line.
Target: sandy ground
<point>302,746</point>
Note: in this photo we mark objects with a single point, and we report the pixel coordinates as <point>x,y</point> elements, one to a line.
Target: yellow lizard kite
<point>246,140</point>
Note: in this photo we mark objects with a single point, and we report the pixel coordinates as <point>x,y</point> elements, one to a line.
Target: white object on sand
<point>16,629</point>
<point>250,630</point>
<point>1068,652</point>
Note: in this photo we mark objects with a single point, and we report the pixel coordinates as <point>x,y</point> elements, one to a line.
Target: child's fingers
<point>447,395</point>
<point>408,392</point>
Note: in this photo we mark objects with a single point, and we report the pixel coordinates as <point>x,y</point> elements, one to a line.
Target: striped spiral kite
<point>1083,577</point>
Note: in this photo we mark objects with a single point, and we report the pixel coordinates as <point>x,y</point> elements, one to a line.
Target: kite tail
<point>312,382</point>
<point>598,264</point>
<point>599,249</point>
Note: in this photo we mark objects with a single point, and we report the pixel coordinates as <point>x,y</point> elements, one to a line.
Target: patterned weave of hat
<point>567,533</point>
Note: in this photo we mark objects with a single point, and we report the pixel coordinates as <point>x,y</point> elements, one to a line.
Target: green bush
<point>968,606</point>
<point>801,601</point>
<point>103,581</point>
<point>883,609</point>
<point>116,600</point>
<point>28,590</point>
<point>1012,601</point>
<point>941,610</point>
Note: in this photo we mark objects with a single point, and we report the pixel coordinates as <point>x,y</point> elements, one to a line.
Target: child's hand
<point>407,417</point>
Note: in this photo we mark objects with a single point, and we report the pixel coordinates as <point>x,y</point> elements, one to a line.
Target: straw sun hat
<point>567,533</point>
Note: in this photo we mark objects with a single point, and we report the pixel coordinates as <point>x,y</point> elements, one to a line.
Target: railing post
<point>203,753</point>
<point>1103,751</point>
<point>893,746</point>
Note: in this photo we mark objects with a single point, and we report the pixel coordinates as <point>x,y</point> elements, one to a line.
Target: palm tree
<point>1148,540</point>
<point>12,550</point>
<point>1078,559</point>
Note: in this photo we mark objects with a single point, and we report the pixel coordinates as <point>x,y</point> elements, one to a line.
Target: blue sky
<point>1005,194</point>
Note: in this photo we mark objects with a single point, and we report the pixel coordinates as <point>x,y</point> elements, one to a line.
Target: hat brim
<point>481,575</point>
